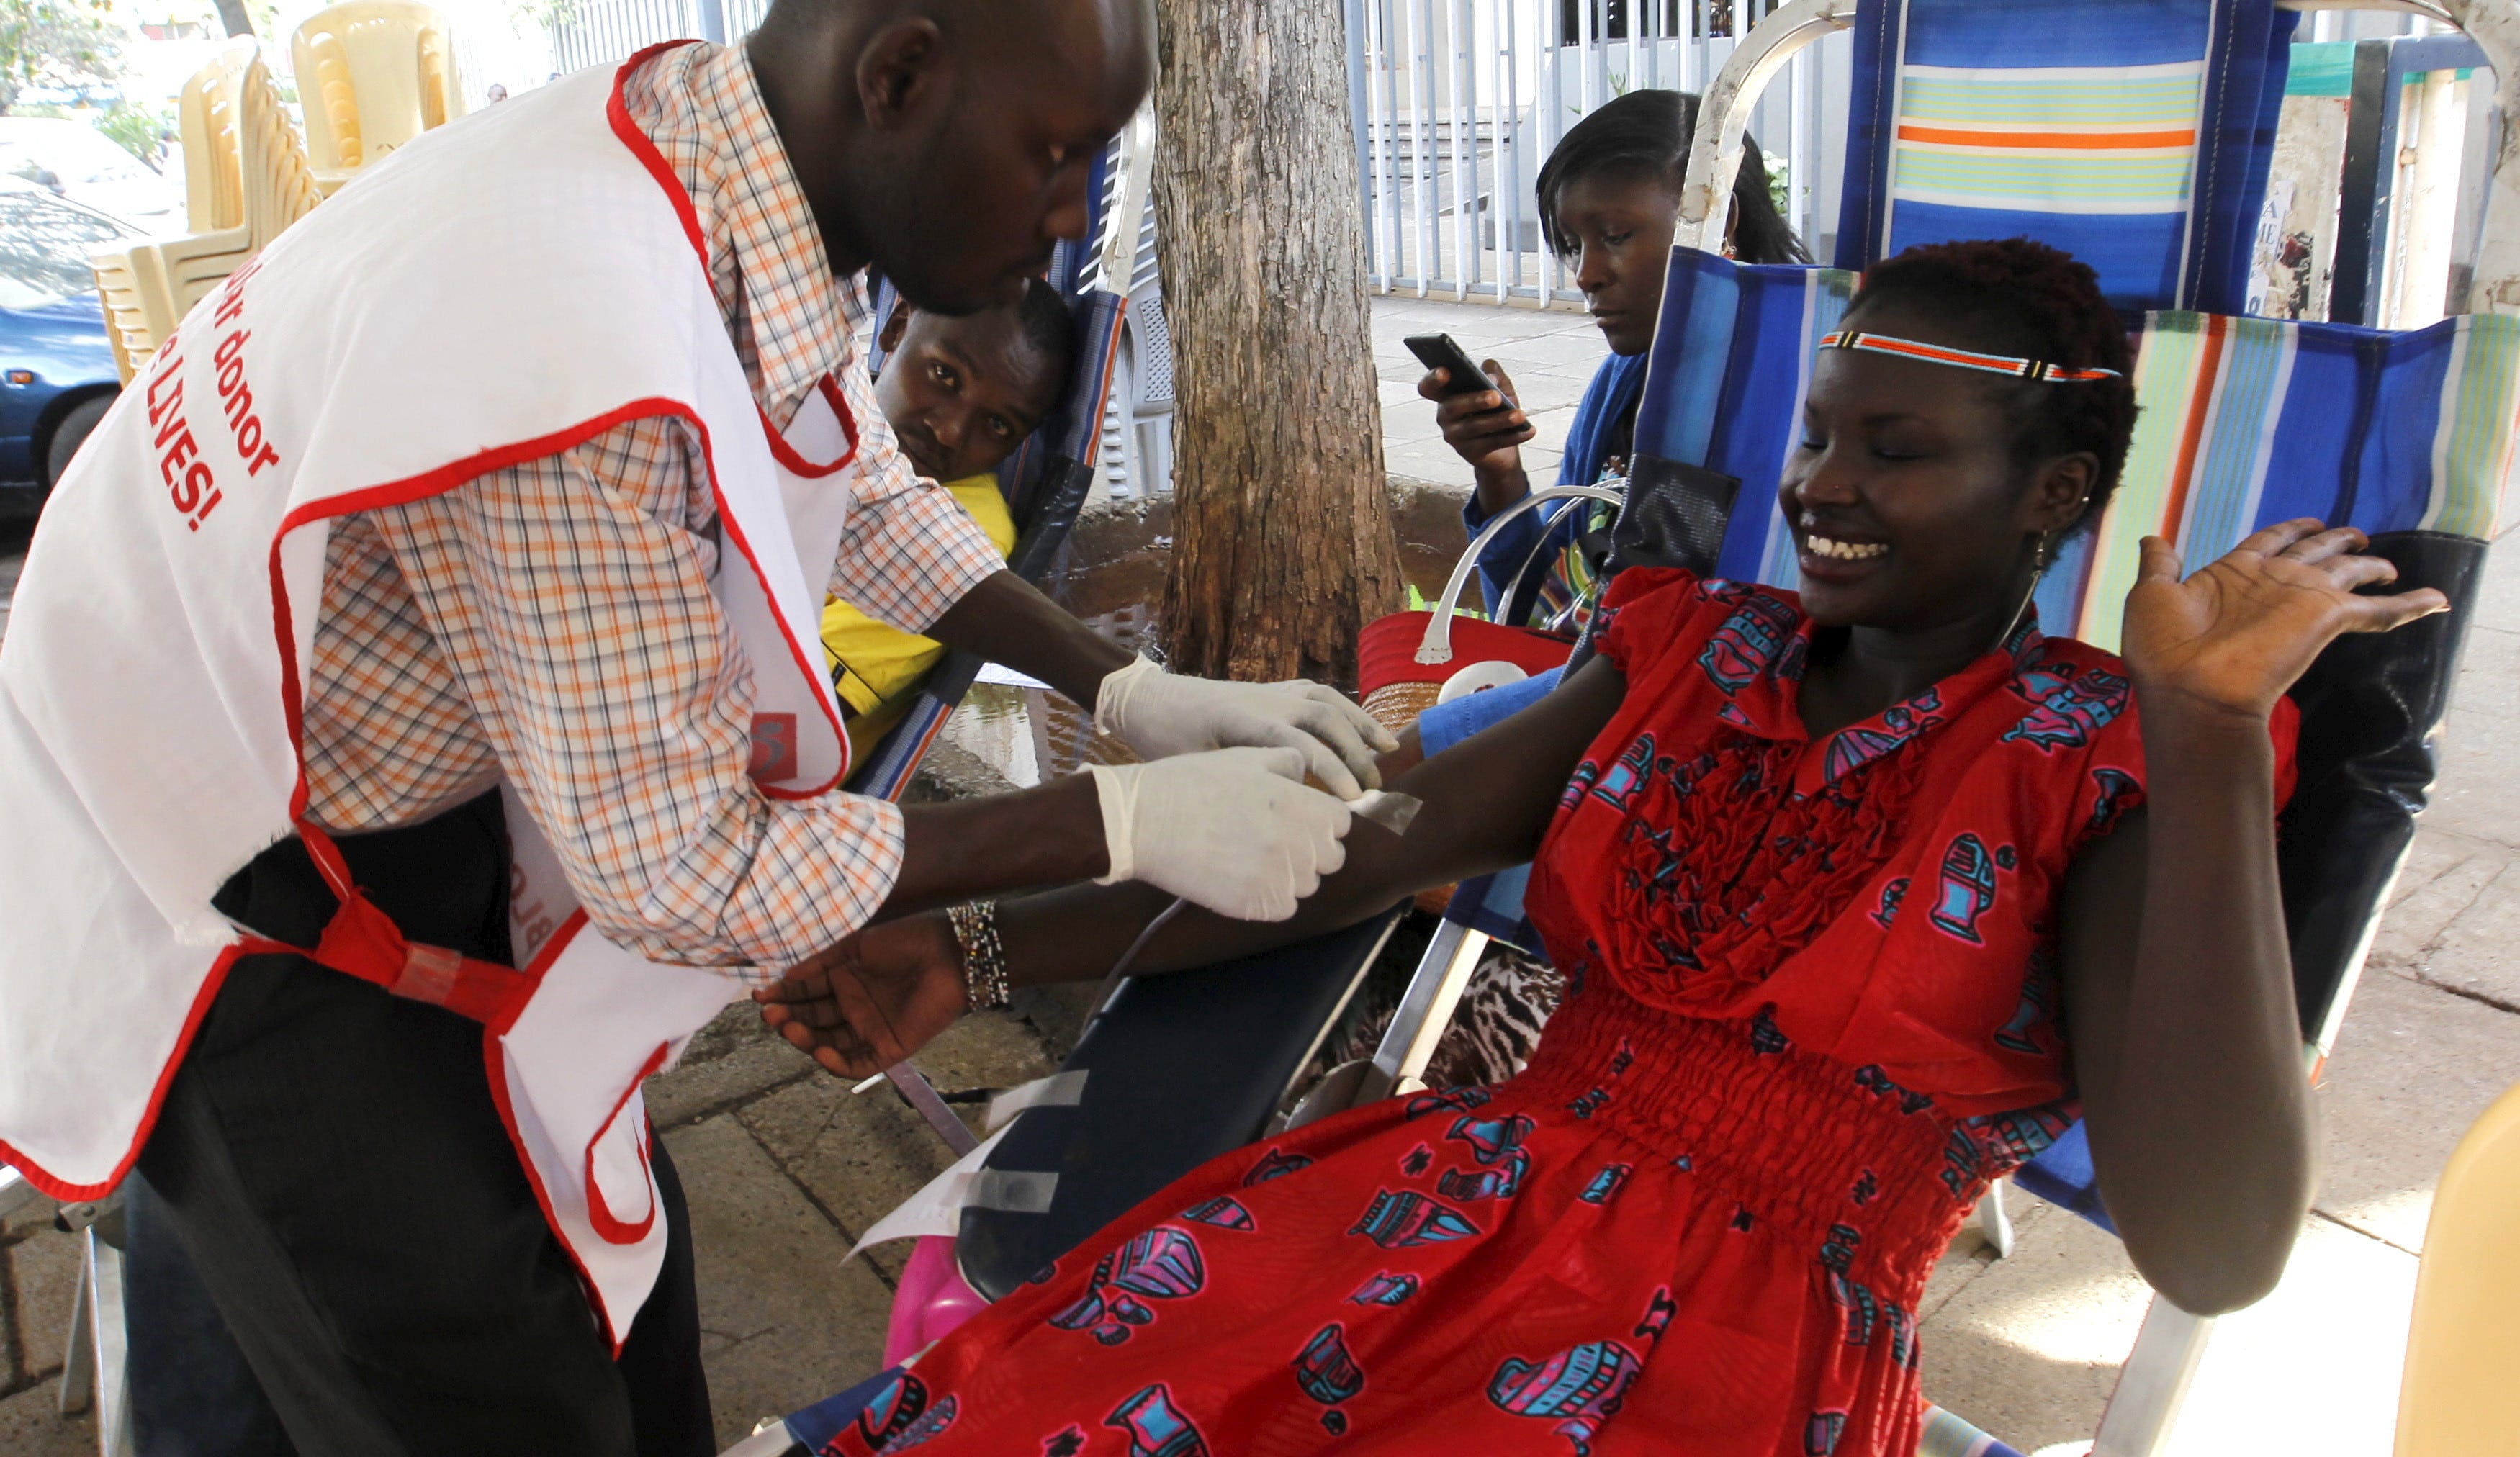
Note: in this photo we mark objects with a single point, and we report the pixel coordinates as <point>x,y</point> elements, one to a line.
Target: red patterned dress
<point>1811,1011</point>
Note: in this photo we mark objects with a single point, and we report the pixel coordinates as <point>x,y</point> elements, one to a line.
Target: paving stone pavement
<point>1549,354</point>
<point>785,1168</point>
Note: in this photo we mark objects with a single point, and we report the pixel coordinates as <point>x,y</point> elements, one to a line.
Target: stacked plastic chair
<point>149,288</point>
<point>2245,422</point>
<point>2457,1398</point>
<point>138,313</point>
<point>206,117</point>
<point>373,74</point>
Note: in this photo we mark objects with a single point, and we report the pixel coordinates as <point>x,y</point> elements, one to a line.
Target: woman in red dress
<point>1833,876</point>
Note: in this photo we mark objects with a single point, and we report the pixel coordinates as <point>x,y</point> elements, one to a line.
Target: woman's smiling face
<point>1909,506</point>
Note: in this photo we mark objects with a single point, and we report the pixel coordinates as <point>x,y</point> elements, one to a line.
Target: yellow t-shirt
<point>875,667</point>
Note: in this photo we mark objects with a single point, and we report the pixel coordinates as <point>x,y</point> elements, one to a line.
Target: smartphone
<point>1437,351</point>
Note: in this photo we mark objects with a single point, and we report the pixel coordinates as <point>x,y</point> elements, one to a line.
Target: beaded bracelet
<point>984,957</point>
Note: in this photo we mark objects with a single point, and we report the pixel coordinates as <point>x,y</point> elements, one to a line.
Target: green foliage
<point>137,129</point>
<point>1780,189</point>
<point>526,16</point>
<point>56,43</point>
<point>1418,604</point>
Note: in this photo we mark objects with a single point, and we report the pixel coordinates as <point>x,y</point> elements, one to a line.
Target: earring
<point>2041,555</point>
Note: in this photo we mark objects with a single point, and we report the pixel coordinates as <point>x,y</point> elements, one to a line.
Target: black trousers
<point>330,1159</point>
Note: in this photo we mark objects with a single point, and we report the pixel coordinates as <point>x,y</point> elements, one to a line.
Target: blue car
<point>57,372</point>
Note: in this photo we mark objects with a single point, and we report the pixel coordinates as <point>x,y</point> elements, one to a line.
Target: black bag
<point>1674,516</point>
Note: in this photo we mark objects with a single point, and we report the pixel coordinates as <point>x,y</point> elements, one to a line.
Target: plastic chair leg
<point>95,1367</point>
<point>79,1360</point>
<point>2154,1384</point>
<point>773,1441</point>
<point>103,1281</point>
<point>1994,1223</point>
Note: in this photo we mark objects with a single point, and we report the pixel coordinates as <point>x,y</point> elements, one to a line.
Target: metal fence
<point>601,32</point>
<point>1457,101</point>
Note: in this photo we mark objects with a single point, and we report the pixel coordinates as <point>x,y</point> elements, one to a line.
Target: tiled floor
<point>787,1168</point>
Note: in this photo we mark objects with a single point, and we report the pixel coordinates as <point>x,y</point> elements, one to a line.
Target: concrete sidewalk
<point>787,1168</point>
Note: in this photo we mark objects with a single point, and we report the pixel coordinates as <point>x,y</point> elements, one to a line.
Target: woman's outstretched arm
<point>877,997</point>
<point>2178,974</point>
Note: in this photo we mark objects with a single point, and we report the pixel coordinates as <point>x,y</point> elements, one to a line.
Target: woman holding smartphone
<point>1610,199</point>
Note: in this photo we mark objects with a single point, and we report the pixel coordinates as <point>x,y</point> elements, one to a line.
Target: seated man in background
<point>961,393</point>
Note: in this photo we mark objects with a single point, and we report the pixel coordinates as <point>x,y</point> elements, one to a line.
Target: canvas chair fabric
<point>2135,135</point>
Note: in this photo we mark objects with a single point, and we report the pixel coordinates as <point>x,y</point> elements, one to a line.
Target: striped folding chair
<point>2134,134</point>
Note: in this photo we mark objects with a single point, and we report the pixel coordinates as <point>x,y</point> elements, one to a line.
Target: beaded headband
<point>1993,364</point>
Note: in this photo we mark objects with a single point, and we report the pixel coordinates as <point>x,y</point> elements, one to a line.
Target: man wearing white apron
<point>411,728</point>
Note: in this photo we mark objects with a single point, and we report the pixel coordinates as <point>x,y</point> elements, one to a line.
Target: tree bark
<point>1282,545</point>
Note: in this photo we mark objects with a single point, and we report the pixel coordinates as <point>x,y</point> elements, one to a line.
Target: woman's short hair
<point>2020,297</point>
<point>1648,132</point>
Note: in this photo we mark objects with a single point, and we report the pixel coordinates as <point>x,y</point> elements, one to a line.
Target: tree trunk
<point>1282,545</point>
<point>232,14</point>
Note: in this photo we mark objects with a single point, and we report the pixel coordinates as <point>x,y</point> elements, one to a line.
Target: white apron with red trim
<point>497,290</point>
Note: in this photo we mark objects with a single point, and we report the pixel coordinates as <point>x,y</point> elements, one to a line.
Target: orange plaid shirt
<point>554,622</point>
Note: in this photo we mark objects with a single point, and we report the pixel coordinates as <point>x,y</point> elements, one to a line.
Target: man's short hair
<point>1049,330</point>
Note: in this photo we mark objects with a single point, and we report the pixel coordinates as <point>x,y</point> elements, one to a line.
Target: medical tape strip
<point>936,1209</point>
<point>1393,812</point>
<point>1057,1090</point>
<point>1010,1192</point>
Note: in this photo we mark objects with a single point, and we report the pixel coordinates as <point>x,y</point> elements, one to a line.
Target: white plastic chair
<point>149,288</point>
<point>373,74</point>
<point>95,1369</point>
<point>207,121</point>
<point>2459,1399</point>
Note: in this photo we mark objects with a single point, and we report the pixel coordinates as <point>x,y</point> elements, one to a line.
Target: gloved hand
<point>1235,830</point>
<point>1160,715</point>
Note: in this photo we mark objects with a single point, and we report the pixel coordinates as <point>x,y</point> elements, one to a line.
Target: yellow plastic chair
<point>278,175</point>
<point>207,121</point>
<point>371,74</point>
<point>137,310</point>
<point>149,288</point>
<point>2460,1396</point>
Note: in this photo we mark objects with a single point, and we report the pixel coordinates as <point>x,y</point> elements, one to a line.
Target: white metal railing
<point>1457,101</point>
<point>601,32</point>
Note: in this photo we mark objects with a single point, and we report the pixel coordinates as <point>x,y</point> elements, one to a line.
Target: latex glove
<point>1235,830</point>
<point>1161,715</point>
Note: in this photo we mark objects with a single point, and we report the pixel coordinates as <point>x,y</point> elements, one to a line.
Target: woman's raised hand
<point>2230,640</point>
<point>873,998</point>
<point>1485,426</point>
